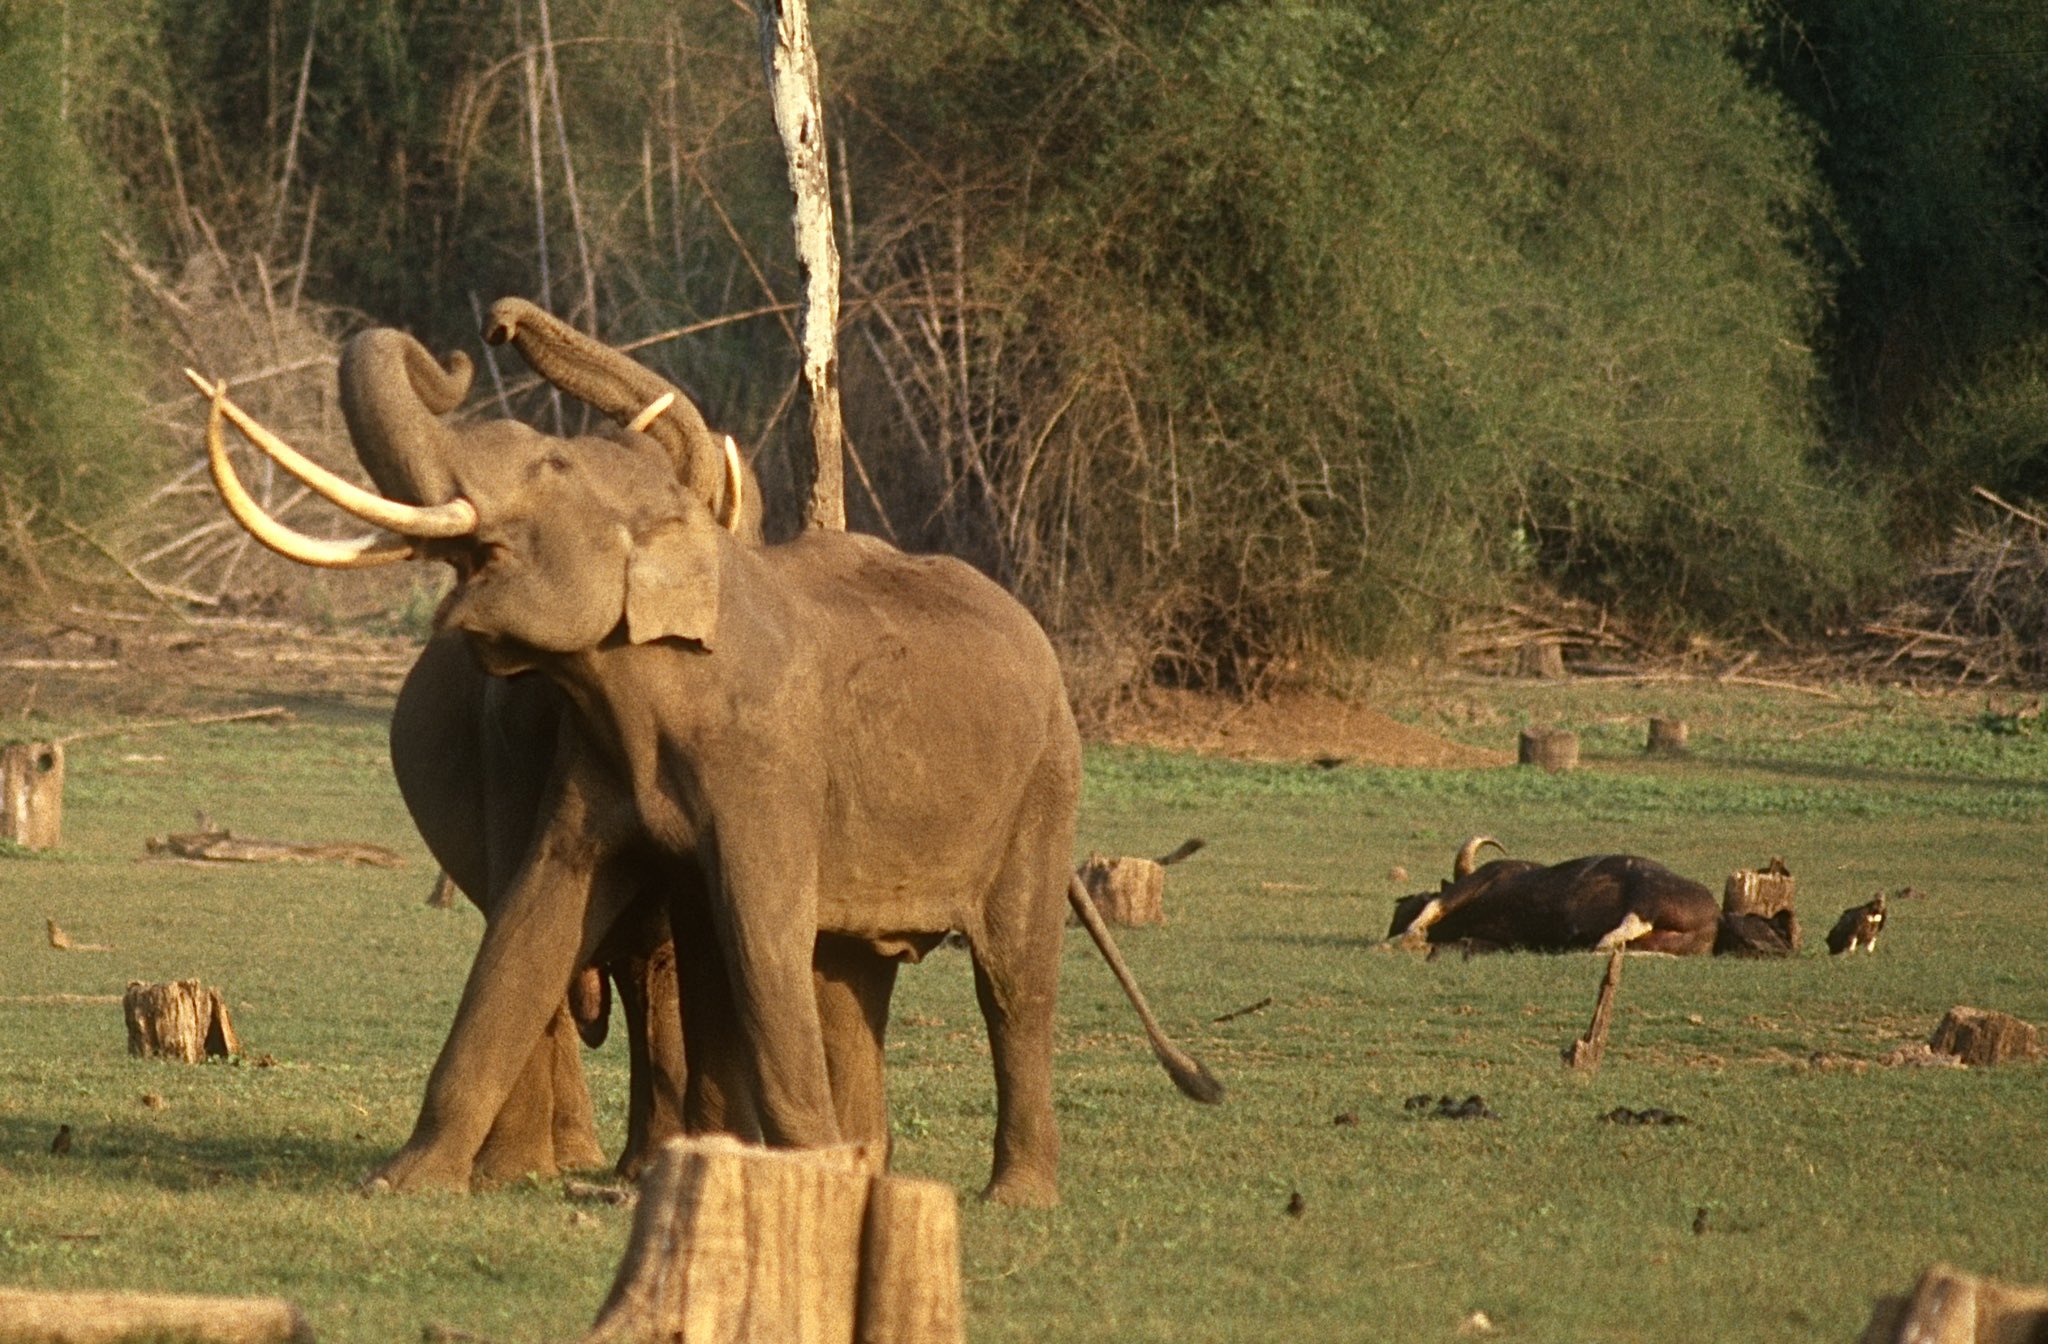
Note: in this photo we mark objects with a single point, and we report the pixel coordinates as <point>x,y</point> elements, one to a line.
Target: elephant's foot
<point>413,1170</point>
<point>1023,1190</point>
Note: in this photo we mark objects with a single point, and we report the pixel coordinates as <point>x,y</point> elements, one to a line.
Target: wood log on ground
<point>1979,1036</point>
<point>1948,1306</point>
<point>1127,891</point>
<point>1667,737</point>
<point>735,1243</point>
<point>1553,749</point>
<point>32,793</point>
<point>223,846</point>
<point>1765,892</point>
<point>1585,1053</point>
<point>1543,658</point>
<point>183,1021</point>
<point>132,1318</point>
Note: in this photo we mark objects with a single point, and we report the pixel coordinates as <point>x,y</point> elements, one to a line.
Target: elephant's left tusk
<point>735,486</point>
<point>360,553</point>
<point>456,518</point>
<point>640,422</point>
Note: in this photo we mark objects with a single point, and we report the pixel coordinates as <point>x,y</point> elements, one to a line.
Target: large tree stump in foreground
<point>733,1243</point>
<point>117,1318</point>
<point>1765,892</point>
<point>1978,1036</point>
<point>1127,890</point>
<point>1553,749</point>
<point>184,1020</point>
<point>32,793</point>
<point>1948,1306</point>
<point>1585,1054</point>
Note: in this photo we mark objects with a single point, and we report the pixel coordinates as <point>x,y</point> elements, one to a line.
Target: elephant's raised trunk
<point>623,389</point>
<point>393,395</point>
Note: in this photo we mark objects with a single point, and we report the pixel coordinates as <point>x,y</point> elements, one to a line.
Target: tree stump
<point>122,1318</point>
<point>1978,1036</point>
<point>1127,891</point>
<point>1543,658</point>
<point>1585,1053</point>
<point>735,1243</point>
<point>1553,749</point>
<point>444,892</point>
<point>1765,892</point>
<point>1948,1306</point>
<point>32,793</point>
<point>1667,737</point>
<point>183,1021</point>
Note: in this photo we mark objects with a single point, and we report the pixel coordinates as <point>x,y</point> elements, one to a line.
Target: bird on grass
<point>62,1143</point>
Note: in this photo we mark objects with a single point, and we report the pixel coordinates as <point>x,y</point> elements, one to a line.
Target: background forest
<point>1234,335</point>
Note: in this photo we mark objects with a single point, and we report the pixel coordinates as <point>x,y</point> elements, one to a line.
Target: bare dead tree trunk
<point>792,66</point>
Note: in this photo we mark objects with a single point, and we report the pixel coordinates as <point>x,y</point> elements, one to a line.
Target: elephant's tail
<point>1187,1072</point>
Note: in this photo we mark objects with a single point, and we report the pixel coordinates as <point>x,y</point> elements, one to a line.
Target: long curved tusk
<point>735,486</point>
<point>640,422</point>
<point>456,518</point>
<point>360,553</point>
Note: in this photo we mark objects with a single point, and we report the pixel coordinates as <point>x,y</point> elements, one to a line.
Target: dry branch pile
<point>1979,613</point>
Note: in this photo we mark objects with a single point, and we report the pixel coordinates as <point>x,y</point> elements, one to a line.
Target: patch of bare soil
<point>1293,726</point>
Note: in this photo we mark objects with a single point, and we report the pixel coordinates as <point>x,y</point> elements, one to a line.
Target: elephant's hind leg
<point>546,1125</point>
<point>854,985</point>
<point>1016,977</point>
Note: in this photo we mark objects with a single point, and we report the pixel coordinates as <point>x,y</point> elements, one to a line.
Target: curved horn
<point>735,487</point>
<point>1468,854</point>
<point>361,553</point>
<point>456,518</point>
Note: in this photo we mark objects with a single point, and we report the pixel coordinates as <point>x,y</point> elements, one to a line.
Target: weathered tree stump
<point>32,793</point>
<point>443,895</point>
<point>1667,737</point>
<point>1542,658</point>
<point>1978,1036</point>
<point>735,1243</point>
<point>183,1021</point>
<point>1585,1053</point>
<point>118,1318</point>
<point>1948,1306</point>
<point>1552,748</point>
<point>1765,892</point>
<point>1127,891</point>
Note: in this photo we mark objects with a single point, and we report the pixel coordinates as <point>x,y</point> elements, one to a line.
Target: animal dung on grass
<point>183,1021</point>
<point>32,793</point>
<point>1978,1036</point>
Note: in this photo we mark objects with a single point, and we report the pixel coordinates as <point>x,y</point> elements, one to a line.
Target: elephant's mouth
<point>441,532</point>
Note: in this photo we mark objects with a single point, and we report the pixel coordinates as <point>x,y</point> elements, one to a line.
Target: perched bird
<point>62,1143</point>
<point>1699,1222</point>
<point>1296,1205</point>
<point>1858,927</point>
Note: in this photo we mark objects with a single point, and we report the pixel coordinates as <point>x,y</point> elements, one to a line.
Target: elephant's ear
<point>672,584</point>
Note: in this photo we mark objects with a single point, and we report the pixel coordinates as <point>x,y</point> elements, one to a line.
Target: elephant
<point>835,753</point>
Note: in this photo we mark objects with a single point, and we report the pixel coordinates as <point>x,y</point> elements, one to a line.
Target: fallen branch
<point>1245,1011</point>
<point>149,725</point>
<point>227,847</point>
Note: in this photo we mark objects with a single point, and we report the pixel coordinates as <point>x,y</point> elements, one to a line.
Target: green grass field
<point>1823,1187</point>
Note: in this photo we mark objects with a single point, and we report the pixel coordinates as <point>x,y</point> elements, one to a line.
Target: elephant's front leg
<point>548,925</point>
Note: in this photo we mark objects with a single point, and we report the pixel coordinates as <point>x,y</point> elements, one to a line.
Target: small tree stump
<point>1978,1036</point>
<point>443,895</point>
<point>1765,892</point>
<point>117,1318</point>
<point>1585,1053</point>
<point>1553,749</point>
<point>184,1021</point>
<point>1667,737</point>
<point>1543,658</point>
<point>736,1243</point>
<point>1127,891</point>
<point>32,793</point>
<point>1948,1306</point>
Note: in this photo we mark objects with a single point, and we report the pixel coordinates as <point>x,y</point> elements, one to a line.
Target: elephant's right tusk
<point>360,553</point>
<point>735,486</point>
<point>456,518</point>
<point>640,422</point>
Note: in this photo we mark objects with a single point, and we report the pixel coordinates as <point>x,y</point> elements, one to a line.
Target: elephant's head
<point>556,543</point>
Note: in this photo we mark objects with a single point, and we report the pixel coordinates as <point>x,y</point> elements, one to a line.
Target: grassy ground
<point>1822,1187</point>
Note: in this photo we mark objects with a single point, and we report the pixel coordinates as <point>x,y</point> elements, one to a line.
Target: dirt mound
<point>1296,726</point>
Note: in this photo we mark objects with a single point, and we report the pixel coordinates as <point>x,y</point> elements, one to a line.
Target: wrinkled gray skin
<point>823,745</point>
<point>473,756</point>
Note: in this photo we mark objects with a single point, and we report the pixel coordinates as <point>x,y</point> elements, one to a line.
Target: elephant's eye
<point>553,461</point>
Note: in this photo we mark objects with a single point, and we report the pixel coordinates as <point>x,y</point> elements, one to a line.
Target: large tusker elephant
<point>831,749</point>
<point>473,754</point>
